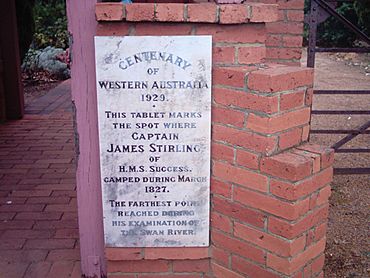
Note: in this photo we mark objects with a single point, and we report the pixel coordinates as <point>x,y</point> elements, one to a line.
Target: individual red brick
<point>27,234</point>
<point>240,176</point>
<point>293,4</point>
<point>222,152</point>
<point>220,188</point>
<point>313,200</point>
<point>305,133</point>
<point>274,40</point>
<point>310,237</point>
<point>169,12</point>
<point>56,187</point>
<point>207,12</point>
<point>229,97</point>
<point>50,244</point>
<point>271,205</point>
<point>149,266</point>
<point>225,55</point>
<point>28,256</point>
<point>76,272</point>
<point>21,208</point>
<point>280,78</point>
<point>272,243</point>
<point>191,265</point>
<point>292,100</point>
<point>229,76</point>
<point>263,13</point>
<point>61,269</point>
<point>124,254</point>
<point>239,212</point>
<point>220,271</point>
<point>315,158</point>
<point>307,271</point>
<point>64,255</point>
<point>318,264</point>
<point>63,208</point>
<point>248,140</point>
<point>288,27</point>
<point>12,200</point>
<point>297,15</point>
<point>294,191</point>
<point>279,122</point>
<point>287,266</point>
<point>60,224</point>
<point>190,253</point>
<point>140,12</point>
<point>289,230</point>
<point>229,1</point>
<point>284,53</point>
<point>252,270</point>
<point>48,200</point>
<point>247,159</point>
<point>234,14</point>
<point>109,11</point>
<point>228,116</point>
<point>15,224</point>
<point>64,193</point>
<point>8,244</point>
<point>323,196</point>
<point>249,55</point>
<point>309,97</point>
<point>162,29</point>
<point>221,222</point>
<point>220,255</point>
<point>292,41</point>
<point>241,33</point>
<point>291,138</point>
<point>320,231</point>
<point>31,193</point>
<point>70,216</point>
<point>168,275</point>
<point>238,247</point>
<point>39,269</point>
<point>327,154</point>
<point>67,233</point>
<point>287,166</point>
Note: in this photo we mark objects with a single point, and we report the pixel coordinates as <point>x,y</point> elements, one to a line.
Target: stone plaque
<point>154,105</point>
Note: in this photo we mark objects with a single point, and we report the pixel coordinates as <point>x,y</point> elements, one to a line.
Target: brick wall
<point>269,187</point>
<point>284,35</point>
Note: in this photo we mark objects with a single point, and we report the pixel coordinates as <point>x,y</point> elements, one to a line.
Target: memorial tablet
<point>154,110</point>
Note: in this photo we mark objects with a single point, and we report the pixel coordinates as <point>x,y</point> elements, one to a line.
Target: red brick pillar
<point>269,187</point>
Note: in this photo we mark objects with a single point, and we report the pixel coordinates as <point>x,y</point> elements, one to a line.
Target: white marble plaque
<point>154,106</point>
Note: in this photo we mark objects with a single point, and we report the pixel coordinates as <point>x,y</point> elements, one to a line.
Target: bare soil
<point>348,246</point>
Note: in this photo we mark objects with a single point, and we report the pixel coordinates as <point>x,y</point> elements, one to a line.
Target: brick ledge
<point>175,12</point>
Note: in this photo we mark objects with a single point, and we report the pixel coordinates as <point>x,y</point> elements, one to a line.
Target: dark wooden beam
<point>13,89</point>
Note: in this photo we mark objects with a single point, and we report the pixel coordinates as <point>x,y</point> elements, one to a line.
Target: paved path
<point>38,211</point>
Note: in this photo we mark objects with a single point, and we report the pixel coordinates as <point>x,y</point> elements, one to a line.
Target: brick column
<point>269,187</point>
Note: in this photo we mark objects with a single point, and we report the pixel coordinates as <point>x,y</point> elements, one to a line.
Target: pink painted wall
<point>82,25</point>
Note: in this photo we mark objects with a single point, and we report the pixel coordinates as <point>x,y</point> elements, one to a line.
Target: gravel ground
<point>348,245</point>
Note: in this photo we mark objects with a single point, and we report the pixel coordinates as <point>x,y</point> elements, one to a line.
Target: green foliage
<point>50,24</point>
<point>362,9</point>
<point>332,33</point>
